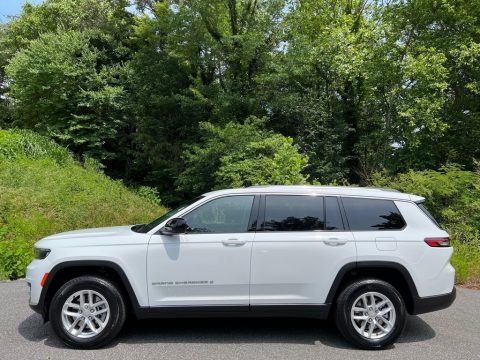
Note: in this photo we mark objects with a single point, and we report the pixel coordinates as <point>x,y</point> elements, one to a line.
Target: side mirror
<point>174,226</point>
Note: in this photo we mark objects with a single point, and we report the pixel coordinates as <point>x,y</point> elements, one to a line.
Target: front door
<point>210,263</point>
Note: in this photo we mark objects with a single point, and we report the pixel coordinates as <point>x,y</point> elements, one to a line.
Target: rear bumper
<point>427,304</point>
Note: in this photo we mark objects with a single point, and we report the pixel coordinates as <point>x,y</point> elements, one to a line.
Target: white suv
<point>367,257</point>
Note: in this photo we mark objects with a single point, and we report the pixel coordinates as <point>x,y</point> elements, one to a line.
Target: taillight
<point>438,242</point>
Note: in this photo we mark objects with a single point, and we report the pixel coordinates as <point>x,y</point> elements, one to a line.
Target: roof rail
<point>329,186</point>
<point>382,189</point>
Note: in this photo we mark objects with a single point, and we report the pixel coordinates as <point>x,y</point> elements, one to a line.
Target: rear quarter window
<point>372,214</point>
<point>429,215</point>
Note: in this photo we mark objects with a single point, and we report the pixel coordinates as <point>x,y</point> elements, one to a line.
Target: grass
<point>43,190</point>
<point>466,261</point>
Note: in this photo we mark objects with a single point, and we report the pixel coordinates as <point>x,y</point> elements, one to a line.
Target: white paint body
<point>253,267</point>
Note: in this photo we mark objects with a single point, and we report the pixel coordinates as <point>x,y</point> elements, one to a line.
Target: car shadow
<point>226,331</point>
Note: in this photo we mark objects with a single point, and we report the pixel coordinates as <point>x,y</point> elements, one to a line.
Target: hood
<point>96,232</point>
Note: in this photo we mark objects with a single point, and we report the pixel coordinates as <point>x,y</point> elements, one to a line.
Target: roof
<point>322,190</point>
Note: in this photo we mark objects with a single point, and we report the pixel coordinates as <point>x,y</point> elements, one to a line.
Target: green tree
<point>359,85</point>
<point>194,62</point>
<point>71,91</point>
<point>224,45</point>
<point>240,155</point>
<point>68,86</point>
<point>165,111</point>
<point>354,93</point>
<point>318,86</point>
<point>54,16</point>
<point>438,43</point>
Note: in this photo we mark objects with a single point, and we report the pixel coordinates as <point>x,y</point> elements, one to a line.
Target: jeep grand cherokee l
<point>365,257</point>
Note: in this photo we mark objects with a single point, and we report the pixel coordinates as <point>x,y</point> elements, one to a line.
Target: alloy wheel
<point>85,314</point>
<point>373,315</point>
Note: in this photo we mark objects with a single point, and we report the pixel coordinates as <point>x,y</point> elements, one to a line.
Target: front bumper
<point>37,308</point>
<point>35,272</point>
<point>427,304</point>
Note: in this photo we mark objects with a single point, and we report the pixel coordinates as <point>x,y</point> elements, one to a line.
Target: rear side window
<point>372,214</point>
<point>293,213</point>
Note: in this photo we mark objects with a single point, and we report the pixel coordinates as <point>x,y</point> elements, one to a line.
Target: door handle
<point>334,241</point>
<point>234,242</point>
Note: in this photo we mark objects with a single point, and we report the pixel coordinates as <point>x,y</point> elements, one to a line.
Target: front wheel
<point>87,312</point>
<point>370,314</point>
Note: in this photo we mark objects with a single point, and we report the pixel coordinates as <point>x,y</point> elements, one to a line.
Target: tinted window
<point>293,213</point>
<point>223,215</point>
<point>333,217</point>
<point>429,215</point>
<point>371,214</point>
<point>147,227</point>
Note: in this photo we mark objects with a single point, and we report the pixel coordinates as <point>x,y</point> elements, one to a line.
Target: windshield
<point>147,227</point>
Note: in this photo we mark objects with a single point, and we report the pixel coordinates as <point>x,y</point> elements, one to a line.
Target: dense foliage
<point>360,86</point>
<point>166,96</point>
<point>43,190</point>
<point>238,156</point>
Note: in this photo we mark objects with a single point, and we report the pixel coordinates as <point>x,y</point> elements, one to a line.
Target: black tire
<point>345,302</point>
<point>115,302</point>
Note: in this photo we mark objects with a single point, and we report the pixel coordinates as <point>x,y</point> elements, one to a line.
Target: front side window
<point>229,214</point>
<point>372,214</point>
<point>293,213</point>
<point>144,228</point>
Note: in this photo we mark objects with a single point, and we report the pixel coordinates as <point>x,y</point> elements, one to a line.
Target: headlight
<point>41,254</point>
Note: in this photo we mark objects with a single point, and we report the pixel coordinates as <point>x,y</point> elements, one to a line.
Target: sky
<point>13,7</point>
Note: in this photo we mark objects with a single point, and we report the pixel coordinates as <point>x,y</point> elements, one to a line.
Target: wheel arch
<point>68,270</point>
<point>393,273</point>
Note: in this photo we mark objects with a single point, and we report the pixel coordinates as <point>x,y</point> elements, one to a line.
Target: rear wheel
<point>87,312</point>
<point>370,314</point>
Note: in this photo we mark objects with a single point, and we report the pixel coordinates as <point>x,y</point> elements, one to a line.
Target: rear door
<point>300,245</point>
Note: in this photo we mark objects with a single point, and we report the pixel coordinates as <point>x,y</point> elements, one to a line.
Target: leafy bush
<point>78,97</point>
<point>240,155</point>
<point>150,194</point>
<point>453,197</point>
<point>44,191</point>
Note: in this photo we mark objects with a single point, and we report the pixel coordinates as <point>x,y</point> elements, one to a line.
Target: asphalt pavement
<point>453,333</point>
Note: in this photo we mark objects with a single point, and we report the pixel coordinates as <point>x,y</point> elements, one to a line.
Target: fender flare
<point>372,265</point>
<point>41,307</point>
